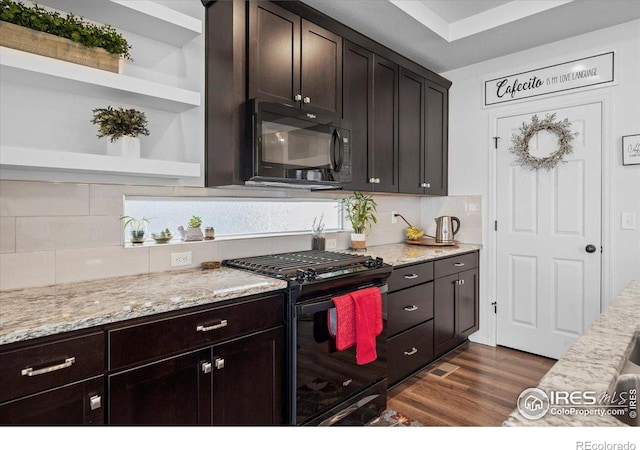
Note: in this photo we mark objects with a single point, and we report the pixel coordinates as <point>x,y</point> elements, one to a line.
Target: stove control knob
<point>369,263</point>
<point>300,276</point>
<point>311,274</point>
<point>379,262</point>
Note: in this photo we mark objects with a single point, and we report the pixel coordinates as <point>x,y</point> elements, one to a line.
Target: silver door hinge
<point>495,307</point>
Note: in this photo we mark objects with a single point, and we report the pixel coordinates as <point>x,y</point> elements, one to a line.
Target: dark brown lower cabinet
<point>234,383</point>
<point>455,309</point>
<point>75,404</point>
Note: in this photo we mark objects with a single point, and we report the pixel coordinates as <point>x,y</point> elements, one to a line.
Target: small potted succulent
<point>122,127</point>
<point>163,237</point>
<point>193,231</point>
<point>359,209</point>
<point>137,228</point>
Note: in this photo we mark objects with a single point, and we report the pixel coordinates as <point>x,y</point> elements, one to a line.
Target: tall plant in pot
<point>137,228</point>
<point>122,127</point>
<point>359,209</point>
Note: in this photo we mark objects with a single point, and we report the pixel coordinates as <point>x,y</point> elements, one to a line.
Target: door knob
<point>590,248</point>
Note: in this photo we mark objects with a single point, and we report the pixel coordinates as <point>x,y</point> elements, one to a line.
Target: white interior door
<point>548,284</point>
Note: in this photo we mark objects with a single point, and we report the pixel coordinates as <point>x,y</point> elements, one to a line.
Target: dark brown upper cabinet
<point>293,61</point>
<point>422,135</point>
<point>370,99</point>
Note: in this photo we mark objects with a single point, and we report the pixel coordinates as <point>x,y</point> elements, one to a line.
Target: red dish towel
<point>358,320</point>
<point>368,306</point>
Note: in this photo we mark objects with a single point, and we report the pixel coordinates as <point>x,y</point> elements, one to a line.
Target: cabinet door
<point>384,164</point>
<point>176,391</point>
<point>274,53</point>
<point>248,380</point>
<point>76,404</point>
<point>467,303</point>
<point>444,314</point>
<point>358,111</point>
<point>411,132</point>
<point>321,70</point>
<point>436,147</point>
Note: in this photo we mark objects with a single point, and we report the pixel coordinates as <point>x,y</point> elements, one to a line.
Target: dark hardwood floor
<point>481,392</point>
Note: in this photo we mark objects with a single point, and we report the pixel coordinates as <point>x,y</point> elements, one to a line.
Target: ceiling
<point>447,34</point>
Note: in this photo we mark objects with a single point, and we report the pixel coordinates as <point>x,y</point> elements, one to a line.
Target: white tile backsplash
<point>51,233</point>
<point>65,232</point>
<point>7,234</point>
<point>33,198</point>
<point>23,270</point>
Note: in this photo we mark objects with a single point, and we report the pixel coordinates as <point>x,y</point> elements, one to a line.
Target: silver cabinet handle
<point>410,308</point>
<point>461,281</point>
<point>413,276</point>
<point>459,264</point>
<point>425,185</point>
<point>298,97</point>
<point>378,180</point>
<point>372,180</point>
<point>222,324</point>
<point>95,402</point>
<point>412,352</point>
<point>306,100</point>
<point>206,367</point>
<point>218,363</point>
<point>29,372</point>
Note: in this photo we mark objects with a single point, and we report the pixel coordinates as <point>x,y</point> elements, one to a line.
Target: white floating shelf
<point>49,73</point>
<point>23,158</point>
<point>142,17</point>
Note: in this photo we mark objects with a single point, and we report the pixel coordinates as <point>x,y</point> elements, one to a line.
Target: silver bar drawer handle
<point>29,372</point>
<point>95,402</point>
<point>459,264</point>
<point>222,324</point>
<point>413,276</point>
<point>298,97</point>
<point>306,100</point>
<point>412,352</point>
<point>206,367</point>
<point>218,363</point>
<point>410,308</point>
<point>372,180</point>
<point>461,281</point>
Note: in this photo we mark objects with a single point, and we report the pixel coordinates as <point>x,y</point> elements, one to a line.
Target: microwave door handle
<point>340,160</point>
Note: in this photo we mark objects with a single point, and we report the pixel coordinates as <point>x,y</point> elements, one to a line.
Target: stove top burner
<point>306,266</point>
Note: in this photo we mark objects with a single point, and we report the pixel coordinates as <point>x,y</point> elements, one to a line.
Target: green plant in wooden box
<point>122,127</point>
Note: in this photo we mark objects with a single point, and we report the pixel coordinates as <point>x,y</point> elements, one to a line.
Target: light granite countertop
<point>593,362</point>
<point>43,311</point>
<point>400,254</point>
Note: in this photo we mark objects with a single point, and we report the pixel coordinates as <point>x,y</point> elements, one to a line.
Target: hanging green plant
<point>520,142</point>
<point>69,27</point>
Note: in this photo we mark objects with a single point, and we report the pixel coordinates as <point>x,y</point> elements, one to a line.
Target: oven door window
<point>294,148</point>
<point>325,376</point>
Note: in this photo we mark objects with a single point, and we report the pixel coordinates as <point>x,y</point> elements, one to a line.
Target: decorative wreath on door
<point>520,142</point>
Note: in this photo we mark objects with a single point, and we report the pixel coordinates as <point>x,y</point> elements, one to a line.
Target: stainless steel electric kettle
<point>444,228</point>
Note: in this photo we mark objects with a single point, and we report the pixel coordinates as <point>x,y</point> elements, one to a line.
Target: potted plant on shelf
<point>37,30</point>
<point>137,228</point>
<point>163,237</point>
<point>193,231</point>
<point>359,209</point>
<point>318,236</point>
<point>122,126</point>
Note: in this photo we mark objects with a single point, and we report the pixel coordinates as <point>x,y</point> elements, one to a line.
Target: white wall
<point>470,144</point>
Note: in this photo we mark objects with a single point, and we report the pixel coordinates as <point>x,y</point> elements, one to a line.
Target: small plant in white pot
<point>193,231</point>
<point>137,228</point>
<point>122,127</point>
<point>359,209</point>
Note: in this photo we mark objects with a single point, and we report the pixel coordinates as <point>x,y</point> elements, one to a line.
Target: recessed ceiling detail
<point>453,20</point>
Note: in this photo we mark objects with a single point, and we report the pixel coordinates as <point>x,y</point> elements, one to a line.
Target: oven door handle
<point>325,305</point>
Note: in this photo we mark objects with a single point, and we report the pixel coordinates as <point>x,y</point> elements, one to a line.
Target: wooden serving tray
<point>431,242</point>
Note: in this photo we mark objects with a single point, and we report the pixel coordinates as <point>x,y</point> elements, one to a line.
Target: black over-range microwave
<point>296,148</point>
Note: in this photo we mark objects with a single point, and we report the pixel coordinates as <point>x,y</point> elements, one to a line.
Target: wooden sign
<point>568,76</point>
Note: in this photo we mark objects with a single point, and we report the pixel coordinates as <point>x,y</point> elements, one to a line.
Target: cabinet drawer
<point>455,264</point>
<point>147,341</point>
<point>409,350</point>
<point>404,277</point>
<point>409,307</point>
<point>46,366</point>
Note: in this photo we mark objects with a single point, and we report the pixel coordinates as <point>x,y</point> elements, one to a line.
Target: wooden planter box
<point>45,44</point>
